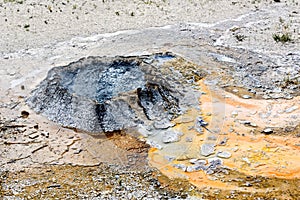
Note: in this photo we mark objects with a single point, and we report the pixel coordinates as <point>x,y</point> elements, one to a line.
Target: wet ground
<point>249,98</point>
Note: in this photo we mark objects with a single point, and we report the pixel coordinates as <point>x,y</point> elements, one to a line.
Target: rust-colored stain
<point>252,152</point>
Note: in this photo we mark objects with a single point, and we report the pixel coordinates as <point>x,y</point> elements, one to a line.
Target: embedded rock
<point>267,131</point>
<point>171,136</point>
<point>207,149</point>
<point>224,154</point>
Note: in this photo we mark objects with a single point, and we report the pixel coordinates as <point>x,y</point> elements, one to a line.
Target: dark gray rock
<point>101,94</point>
<point>196,167</point>
<point>223,141</point>
<point>115,115</point>
<point>199,124</point>
<point>155,100</point>
<point>214,164</point>
<point>248,123</point>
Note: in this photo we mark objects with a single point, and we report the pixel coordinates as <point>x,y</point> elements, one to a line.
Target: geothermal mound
<point>102,94</point>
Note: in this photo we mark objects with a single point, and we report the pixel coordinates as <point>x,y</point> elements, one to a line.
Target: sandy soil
<point>38,35</point>
<point>31,24</point>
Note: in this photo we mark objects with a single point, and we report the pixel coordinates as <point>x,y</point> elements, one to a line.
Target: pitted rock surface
<point>101,94</point>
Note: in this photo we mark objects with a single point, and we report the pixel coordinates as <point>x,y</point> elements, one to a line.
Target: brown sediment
<point>66,181</point>
<point>127,142</point>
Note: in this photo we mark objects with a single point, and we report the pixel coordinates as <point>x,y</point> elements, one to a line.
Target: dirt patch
<point>127,142</point>
<point>293,131</point>
<point>105,181</point>
<point>74,182</point>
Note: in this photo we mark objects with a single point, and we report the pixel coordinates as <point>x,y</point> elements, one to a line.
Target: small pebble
<point>235,149</point>
<point>291,109</point>
<point>246,97</point>
<point>189,139</point>
<point>169,158</point>
<point>77,151</point>
<point>180,166</point>
<point>200,162</point>
<point>201,122</point>
<point>207,149</point>
<point>215,160</point>
<point>24,114</point>
<point>234,114</point>
<point>33,136</point>
<point>248,184</point>
<point>253,112</point>
<point>267,131</point>
<point>193,161</point>
<point>223,141</point>
<point>246,160</point>
<point>224,154</point>
<point>45,133</point>
<point>154,144</point>
<point>245,122</point>
<point>54,186</point>
<point>171,136</point>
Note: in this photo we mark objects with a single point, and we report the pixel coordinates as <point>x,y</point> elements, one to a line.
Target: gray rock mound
<point>101,94</point>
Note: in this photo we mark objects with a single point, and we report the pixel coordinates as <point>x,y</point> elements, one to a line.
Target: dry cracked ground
<point>241,142</point>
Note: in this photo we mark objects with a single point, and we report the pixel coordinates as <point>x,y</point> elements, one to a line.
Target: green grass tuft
<point>285,37</point>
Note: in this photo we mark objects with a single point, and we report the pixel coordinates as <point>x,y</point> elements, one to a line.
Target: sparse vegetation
<point>240,38</point>
<point>290,81</point>
<point>26,26</point>
<point>49,8</point>
<point>283,35</point>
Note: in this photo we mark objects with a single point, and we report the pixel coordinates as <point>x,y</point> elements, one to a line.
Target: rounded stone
<point>267,131</point>
<point>224,154</point>
<point>207,149</point>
